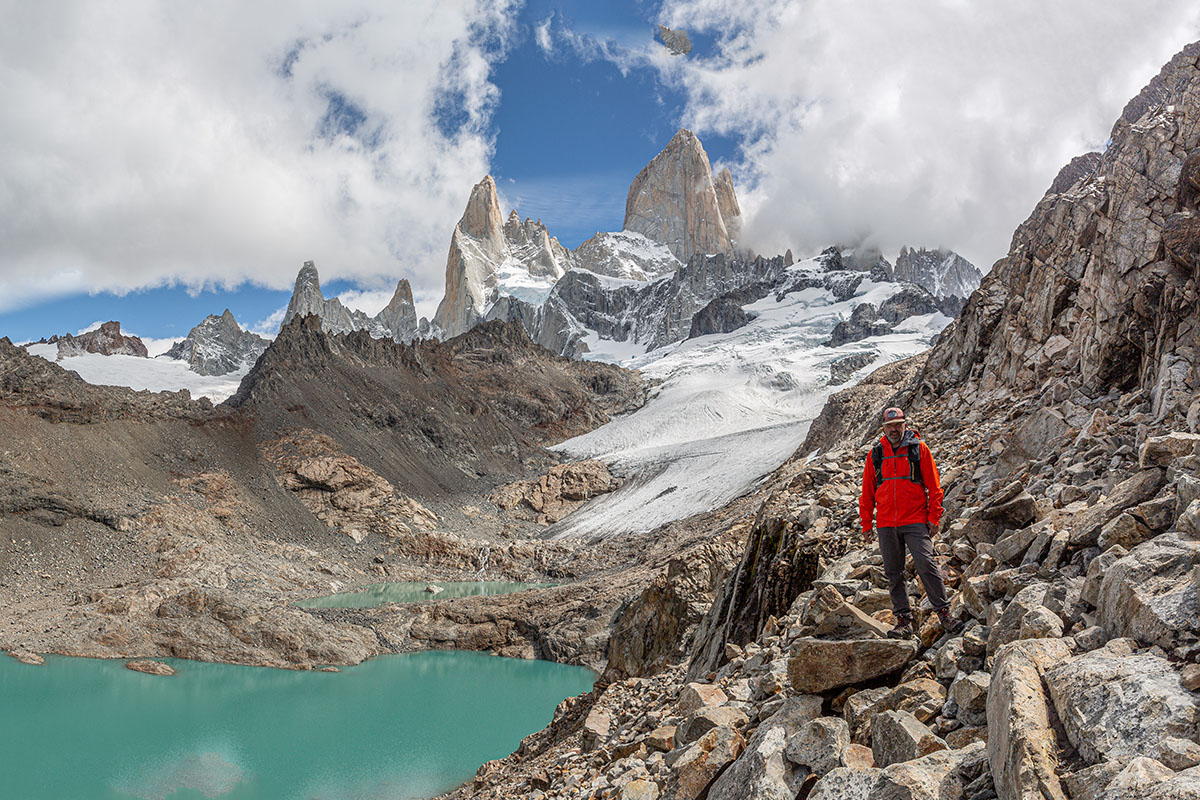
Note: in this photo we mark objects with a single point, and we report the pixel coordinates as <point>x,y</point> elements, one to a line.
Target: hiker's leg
<point>892,549</point>
<point>916,538</point>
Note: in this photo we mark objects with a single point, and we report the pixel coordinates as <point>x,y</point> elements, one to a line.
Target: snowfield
<point>731,408</point>
<point>160,374</point>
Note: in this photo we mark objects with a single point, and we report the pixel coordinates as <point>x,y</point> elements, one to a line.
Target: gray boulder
<point>1120,706</point>
<point>1022,748</point>
<point>1150,594</point>
<point>897,736</point>
<point>819,745</point>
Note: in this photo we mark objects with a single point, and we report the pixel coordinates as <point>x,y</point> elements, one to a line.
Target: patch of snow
<point>514,279</point>
<point>155,374</point>
<point>729,410</point>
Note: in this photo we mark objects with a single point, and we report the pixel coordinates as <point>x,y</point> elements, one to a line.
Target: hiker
<point>901,481</point>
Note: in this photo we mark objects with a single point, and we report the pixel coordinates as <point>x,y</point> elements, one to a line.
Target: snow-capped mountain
<point>218,346</point>
<point>942,273</point>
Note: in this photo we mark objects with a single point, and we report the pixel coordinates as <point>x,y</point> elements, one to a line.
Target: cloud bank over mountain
<point>929,121</point>
<point>152,144</point>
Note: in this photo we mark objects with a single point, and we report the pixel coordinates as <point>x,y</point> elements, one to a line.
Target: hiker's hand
<point>933,531</point>
<point>869,536</point>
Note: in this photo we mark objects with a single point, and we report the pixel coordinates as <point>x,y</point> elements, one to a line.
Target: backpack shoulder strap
<point>877,460</point>
<point>914,462</point>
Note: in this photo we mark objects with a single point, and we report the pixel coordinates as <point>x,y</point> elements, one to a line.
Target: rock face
<point>107,340</point>
<point>626,255</point>
<point>942,273</point>
<point>674,200</point>
<point>1091,295</point>
<point>218,346</point>
<point>398,321</point>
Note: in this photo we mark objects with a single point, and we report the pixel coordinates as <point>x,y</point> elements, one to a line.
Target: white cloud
<point>269,327</point>
<point>930,122</point>
<point>207,144</point>
<point>368,302</point>
<point>541,34</point>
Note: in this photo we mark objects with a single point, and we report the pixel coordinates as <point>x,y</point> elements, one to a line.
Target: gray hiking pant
<point>892,543</point>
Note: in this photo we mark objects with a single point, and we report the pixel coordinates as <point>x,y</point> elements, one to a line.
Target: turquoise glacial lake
<point>401,726</point>
<point>379,593</point>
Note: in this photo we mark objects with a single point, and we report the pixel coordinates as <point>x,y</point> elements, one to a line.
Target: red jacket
<point>900,502</point>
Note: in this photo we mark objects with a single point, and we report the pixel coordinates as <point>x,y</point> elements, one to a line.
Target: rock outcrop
<point>218,346</point>
<point>398,321</point>
<point>107,340</point>
<point>675,200</point>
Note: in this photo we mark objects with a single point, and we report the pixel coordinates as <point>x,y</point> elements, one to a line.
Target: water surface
<point>379,593</point>
<point>393,727</point>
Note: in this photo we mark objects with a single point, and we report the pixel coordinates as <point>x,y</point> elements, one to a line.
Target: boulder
<point>923,698</point>
<point>856,756</point>
<point>1022,749</point>
<point>970,693</point>
<point>150,667</point>
<point>596,727</point>
<point>1118,706</point>
<point>1160,451</point>
<point>695,696</point>
<point>816,665</point>
<point>762,771</point>
<point>704,720</point>
<point>661,738</point>
<point>1096,571</point>
<point>1150,594</point>
<point>820,744</point>
<point>857,711</point>
<point>1015,513</point>
<point>898,736</point>
<point>1125,530</point>
<point>1008,627</point>
<point>696,765</point>
<point>1040,623</point>
<point>942,775</point>
<point>639,789</point>
<point>1090,781</point>
<point>1141,776</point>
<point>1086,526</point>
<point>846,783</point>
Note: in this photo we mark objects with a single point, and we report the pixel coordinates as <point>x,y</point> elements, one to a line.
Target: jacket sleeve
<point>933,485</point>
<point>866,501</point>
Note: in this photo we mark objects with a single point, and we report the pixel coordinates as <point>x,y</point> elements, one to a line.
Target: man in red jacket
<point>902,495</point>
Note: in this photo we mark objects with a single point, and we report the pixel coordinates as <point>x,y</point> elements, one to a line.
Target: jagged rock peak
<point>942,273</point>
<point>676,201</point>
<point>398,321</point>
<point>107,340</point>
<point>218,346</point>
<point>481,219</point>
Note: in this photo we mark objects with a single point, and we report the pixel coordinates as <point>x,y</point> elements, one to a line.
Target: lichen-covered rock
<point>697,764</point>
<point>1150,594</point>
<point>1115,706</point>
<point>1022,749</point>
<point>846,783</point>
<point>819,745</point>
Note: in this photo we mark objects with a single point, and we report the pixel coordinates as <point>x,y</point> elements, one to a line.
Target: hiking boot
<point>950,625</point>
<point>903,629</point>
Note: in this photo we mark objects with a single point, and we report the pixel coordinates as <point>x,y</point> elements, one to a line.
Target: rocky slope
<point>218,346</point>
<point>142,524</point>
<point>942,273</point>
<point>1064,427</point>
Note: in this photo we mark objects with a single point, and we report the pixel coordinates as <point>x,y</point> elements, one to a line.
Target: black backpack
<point>913,448</point>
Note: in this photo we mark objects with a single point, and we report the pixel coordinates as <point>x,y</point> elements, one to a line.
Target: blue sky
<point>163,161</point>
